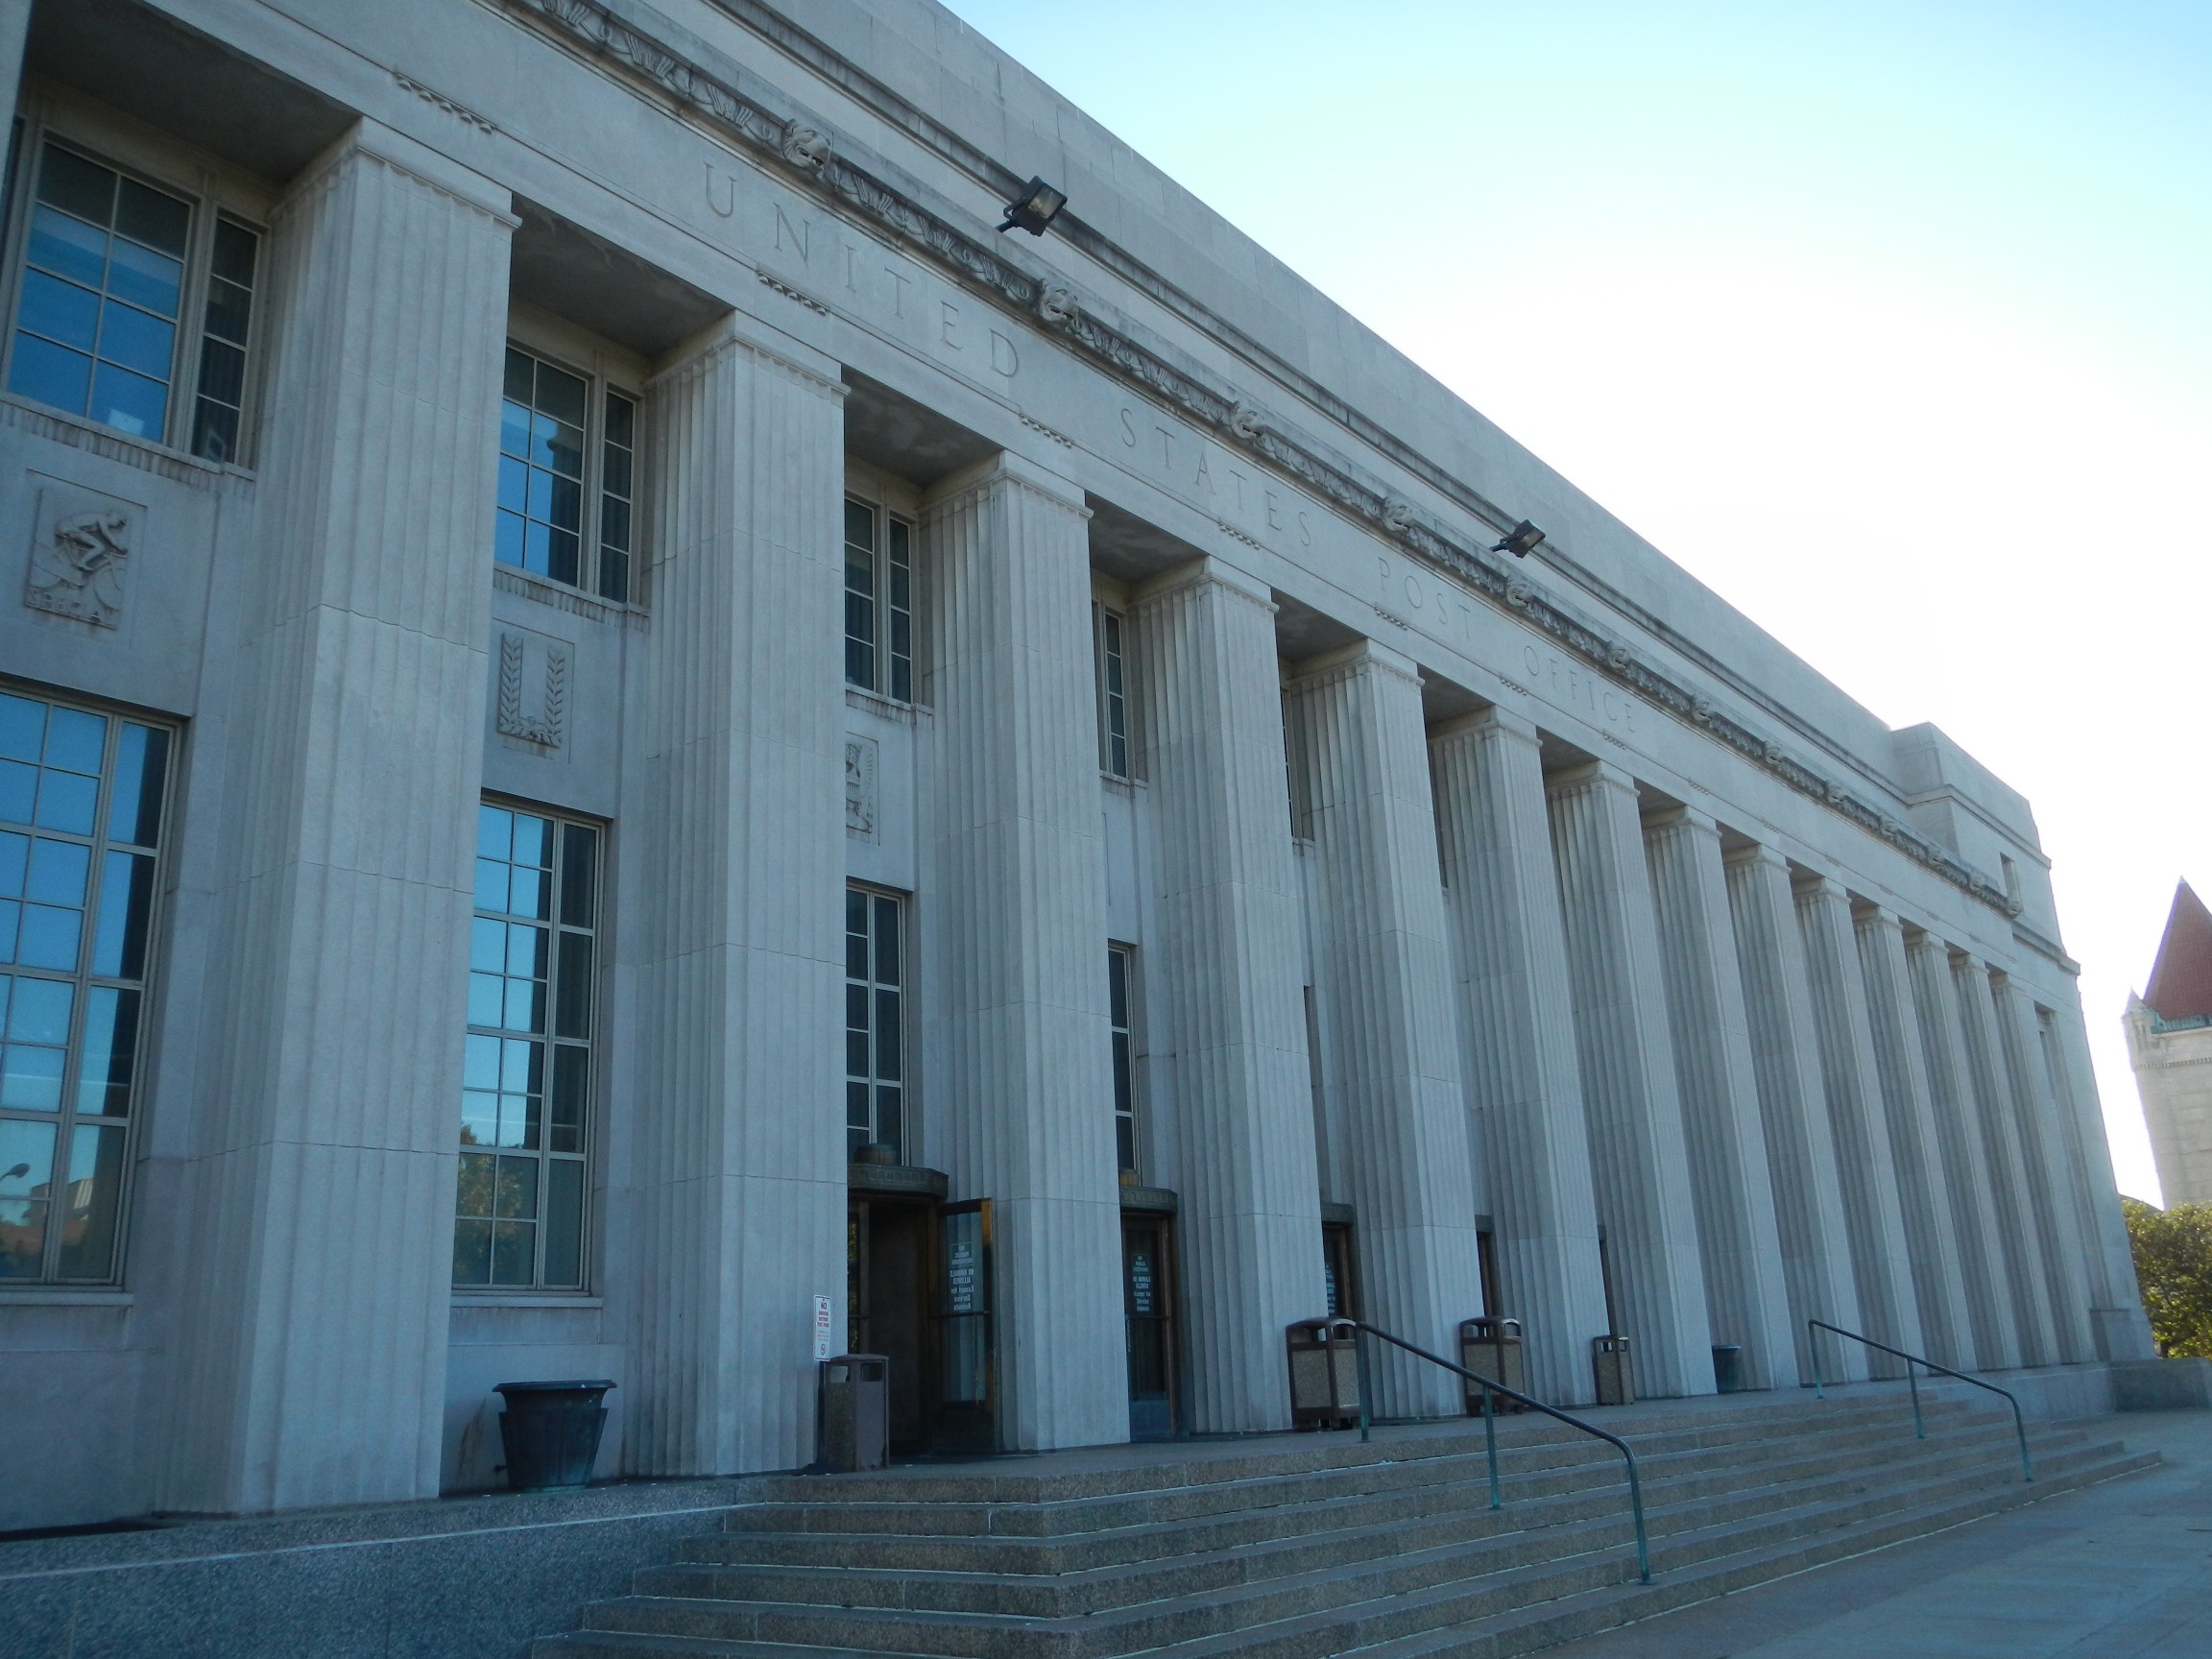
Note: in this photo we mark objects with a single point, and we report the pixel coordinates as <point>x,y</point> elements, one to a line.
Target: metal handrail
<point>1490,1427</point>
<point>1919,1428</point>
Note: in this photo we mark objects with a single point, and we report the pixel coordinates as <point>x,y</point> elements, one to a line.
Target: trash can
<point>1616,1380</point>
<point>1492,1348</point>
<point>856,1411</point>
<point>1323,1373</point>
<point>1728,1368</point>
<point>551,1432</point>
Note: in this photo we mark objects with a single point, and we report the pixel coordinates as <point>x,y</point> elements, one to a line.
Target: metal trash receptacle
<point>551,1432</point>
<point>1324,1356</point>
<point>1616,1376</point>
<point>1728,1368</point>
<point>1492,1348</point>
<point>856,1411</point>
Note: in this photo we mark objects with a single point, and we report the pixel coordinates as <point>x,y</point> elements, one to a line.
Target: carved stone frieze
<point>805,147</point>
<point>79,553</point>
<point>1056,303</point>
<point>969,255</point>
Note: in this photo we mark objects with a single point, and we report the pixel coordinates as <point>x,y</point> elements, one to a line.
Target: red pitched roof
<point>2181,978</point>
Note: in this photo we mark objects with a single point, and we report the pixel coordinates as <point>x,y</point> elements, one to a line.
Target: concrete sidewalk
<point>2121,1569</point>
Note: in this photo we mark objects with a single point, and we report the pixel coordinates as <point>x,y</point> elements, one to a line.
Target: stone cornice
<point>796,147</point>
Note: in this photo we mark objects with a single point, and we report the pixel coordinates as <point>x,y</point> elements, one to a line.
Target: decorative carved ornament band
<point>811,159</point>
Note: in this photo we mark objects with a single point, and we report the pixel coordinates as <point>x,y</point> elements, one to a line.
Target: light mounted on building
<point>1520,540</point>
<point>1036,207</point>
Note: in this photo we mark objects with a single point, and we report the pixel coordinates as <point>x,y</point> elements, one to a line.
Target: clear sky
<point>1890,322</point>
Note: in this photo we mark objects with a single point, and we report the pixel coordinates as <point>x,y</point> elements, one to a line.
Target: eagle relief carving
<point>79,556</point>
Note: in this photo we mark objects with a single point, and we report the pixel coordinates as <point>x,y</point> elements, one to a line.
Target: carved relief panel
<point>860,794</point>
<point>530,689</point>
<point>81,547</point>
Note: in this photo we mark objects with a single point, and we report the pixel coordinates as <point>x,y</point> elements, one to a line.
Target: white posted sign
<point>821,1327</point>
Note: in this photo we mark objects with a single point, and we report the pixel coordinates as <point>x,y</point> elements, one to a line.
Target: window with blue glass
<point>878,601</point>
<point>875,1022</point>
<point>526,1074</point>
<point>567,451</point>
<point>112,268</point>
<point>80,798</point>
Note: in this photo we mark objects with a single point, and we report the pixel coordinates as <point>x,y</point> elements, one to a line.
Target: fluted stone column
<point>1938,1285</point>
<point>311,1365</point>
<point>1228,1006</point>
<point>736,1179</point>
<point>1984,1259</point>
<point>1640,1169</point>
<point>1383,991</point>
<point>1025,1117</point>
<point>1739,1242</point>
<point>1523,1078</point>
<point>2006,1174</point>
<point>1858,1116</point>
<point>2122,1329</point>
<point>15,27</point>
<point>2050,1166</point>
<point>1792,1105</point>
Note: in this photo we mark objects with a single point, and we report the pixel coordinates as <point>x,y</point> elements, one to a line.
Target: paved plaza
<point>2120,1569</point>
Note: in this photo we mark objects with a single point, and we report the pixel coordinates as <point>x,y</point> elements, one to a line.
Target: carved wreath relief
<point>78,555</point>
<point>532,706</point>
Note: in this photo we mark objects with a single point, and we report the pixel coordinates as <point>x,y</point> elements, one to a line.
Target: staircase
<point>1310,1546</point>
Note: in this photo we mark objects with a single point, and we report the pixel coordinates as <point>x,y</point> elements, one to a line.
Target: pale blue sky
<point>1892,322</point>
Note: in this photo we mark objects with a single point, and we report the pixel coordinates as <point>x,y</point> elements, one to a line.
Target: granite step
<point>1413,1590</point>
<point>934,1506</point>
<point>1312,1548</point>
<point>973,1574</point>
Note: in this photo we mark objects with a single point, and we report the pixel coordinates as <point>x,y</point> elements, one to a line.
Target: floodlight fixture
<point>1036,207</point>
<point>1520,540</point>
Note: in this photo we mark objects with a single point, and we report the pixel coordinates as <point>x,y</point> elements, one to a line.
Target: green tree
<point>2173,1265</point>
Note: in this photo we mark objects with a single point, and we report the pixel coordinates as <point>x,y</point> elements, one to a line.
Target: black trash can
<point>551,1432</point>
<point>1728,1368</point>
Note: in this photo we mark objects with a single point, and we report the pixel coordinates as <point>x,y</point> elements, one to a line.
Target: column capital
<point>1758,852</point>
<point>402,154</point>
<point>1493,721</point>
<point>1207,570</point>
<point>734,331</point>
<point>1006,467</point>
<point>1361,655</point>
<point>1590,771</point>
<point>1687,817</point>
<point>1809,883</point>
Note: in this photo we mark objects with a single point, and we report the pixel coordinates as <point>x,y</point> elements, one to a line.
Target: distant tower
<point>2169,1042</point>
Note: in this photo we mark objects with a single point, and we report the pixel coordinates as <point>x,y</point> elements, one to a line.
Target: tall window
<point>110,265</point>
<point>526,1081</point>
<point>81,799</point>
<point>1118,996</point>
<point>1113,695</point>
<point>878,601</point>
<point>874,1022</point>
<point>561,516</point>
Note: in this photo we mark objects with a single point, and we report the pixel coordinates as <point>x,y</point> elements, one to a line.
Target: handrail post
<point>1360,1365</point>
<point>1627,1452</point>
<point>1812,1328</point>
<point>1636,1508</point>
<point>1490,1442</point>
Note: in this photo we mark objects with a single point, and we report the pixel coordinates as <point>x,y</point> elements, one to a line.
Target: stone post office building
<point>615,714</point>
